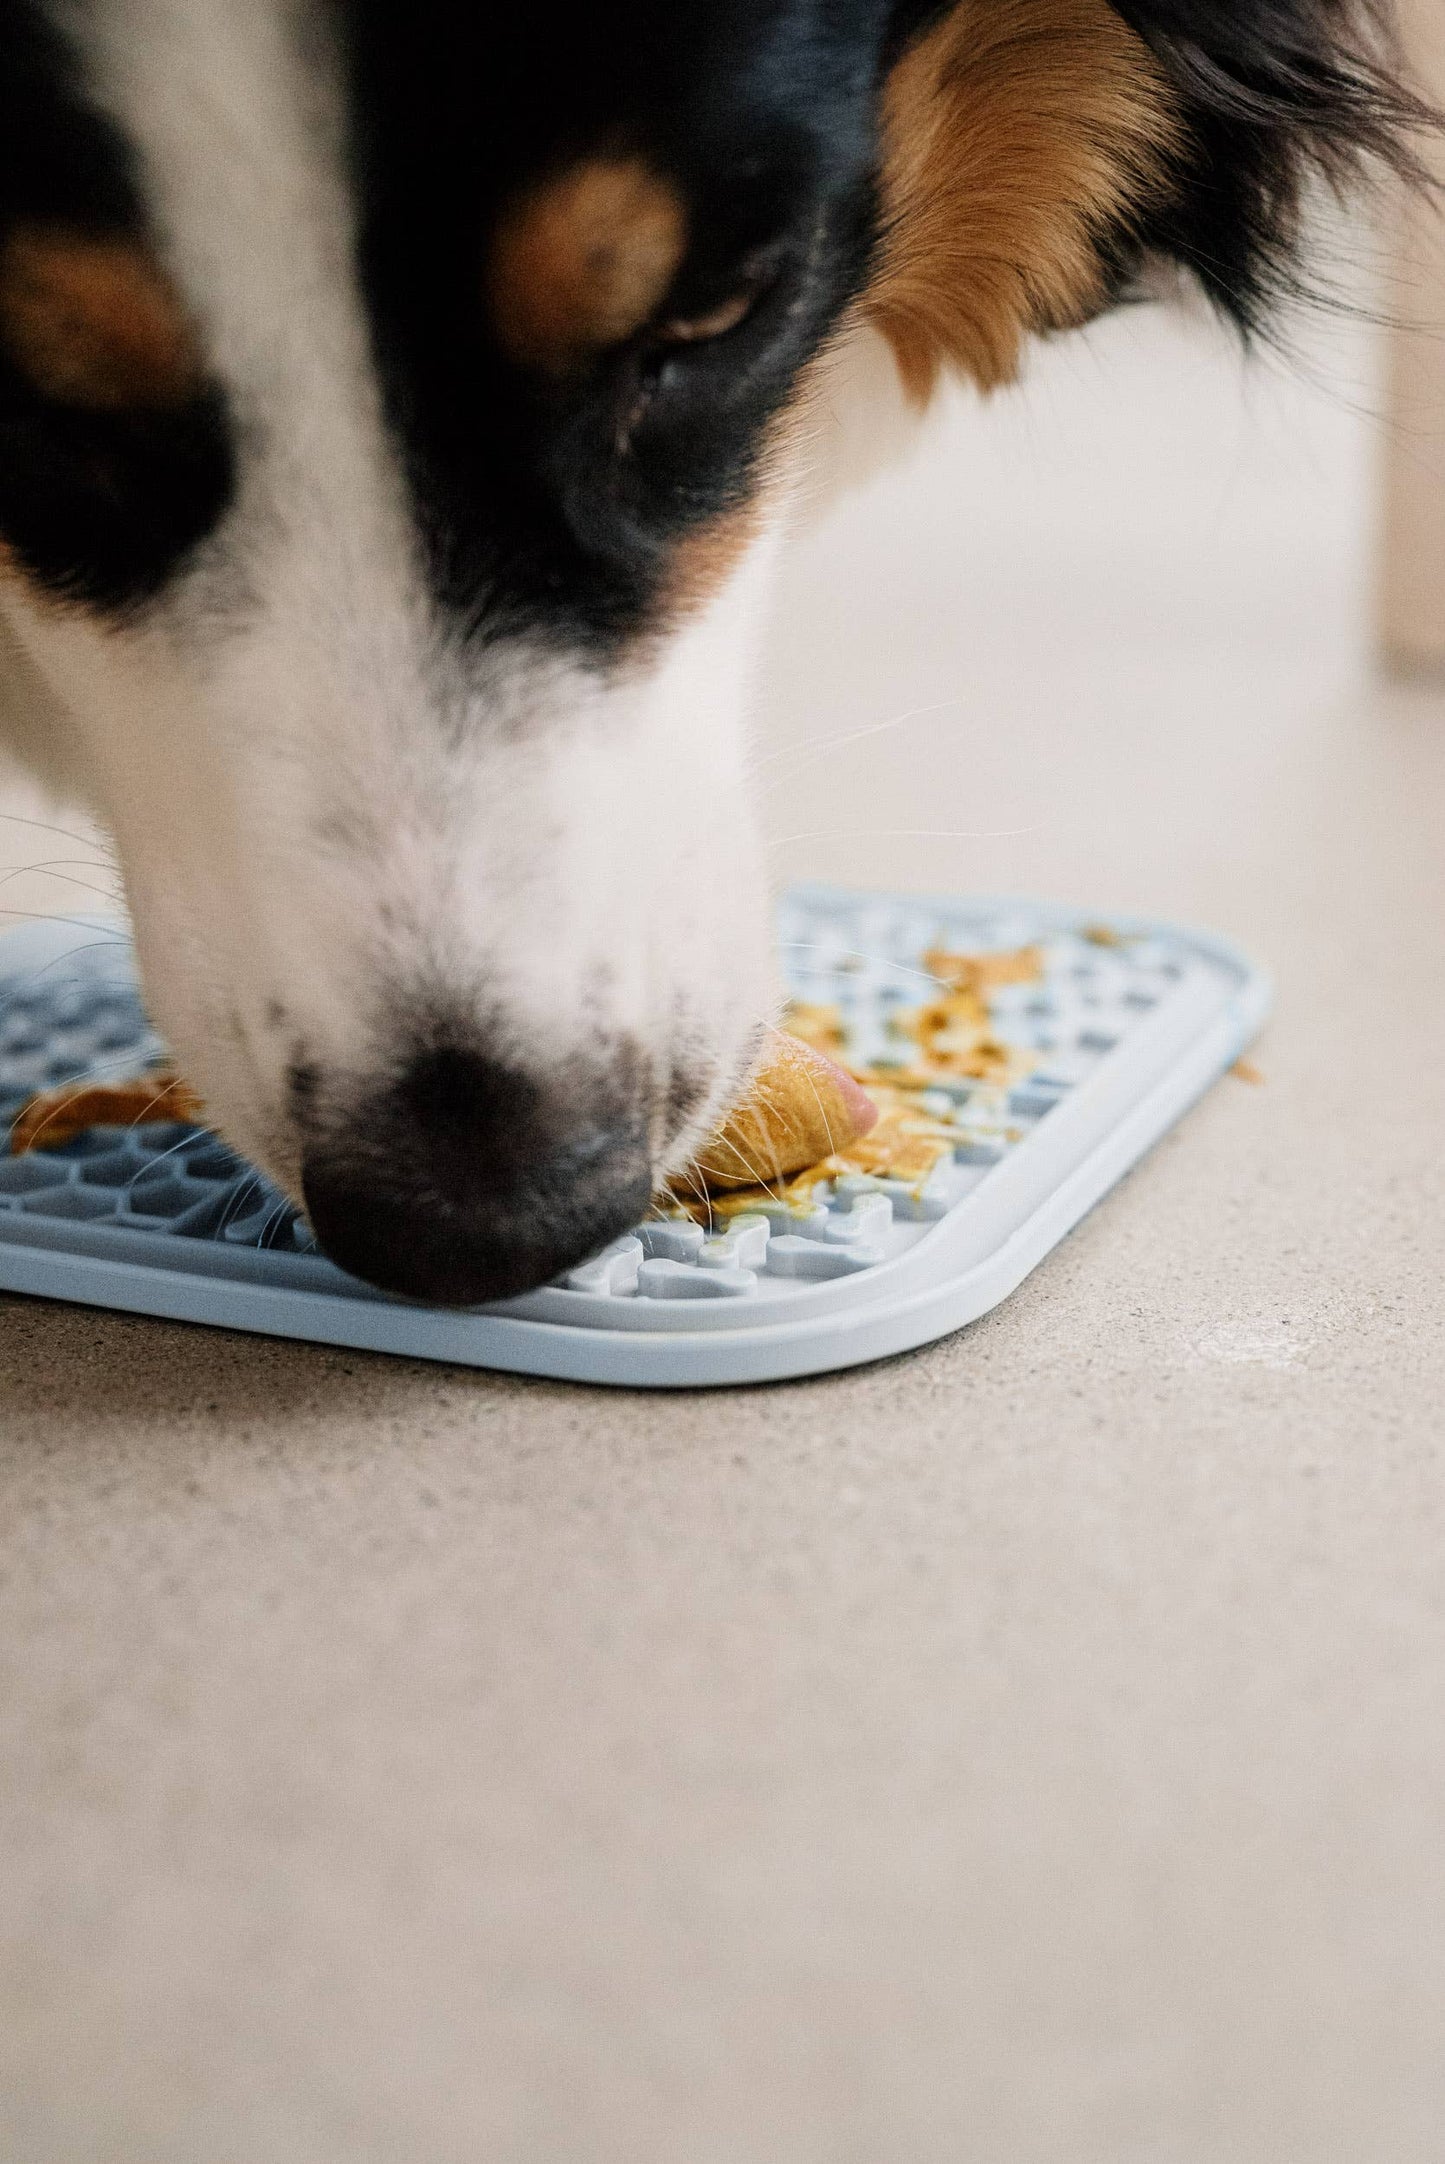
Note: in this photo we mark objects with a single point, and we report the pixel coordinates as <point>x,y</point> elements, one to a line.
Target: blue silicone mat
<point>1120,1026</point>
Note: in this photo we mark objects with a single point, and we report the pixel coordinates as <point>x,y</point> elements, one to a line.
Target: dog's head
<point>398,404</point>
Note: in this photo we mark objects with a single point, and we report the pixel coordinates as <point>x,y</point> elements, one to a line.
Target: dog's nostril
<point>470,1181</point>
<point>459,1096</point>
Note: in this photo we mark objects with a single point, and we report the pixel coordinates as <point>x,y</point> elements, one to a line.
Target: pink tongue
<point>861,1108</point>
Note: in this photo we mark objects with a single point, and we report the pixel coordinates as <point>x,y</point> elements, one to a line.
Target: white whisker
<point>815,746</point>
<point>47,826</point>
<point>927,834</point>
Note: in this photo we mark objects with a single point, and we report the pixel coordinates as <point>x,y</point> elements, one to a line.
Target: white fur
<point>323,804</point>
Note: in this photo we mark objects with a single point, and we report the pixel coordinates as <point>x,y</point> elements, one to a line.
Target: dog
<point>400,407</point>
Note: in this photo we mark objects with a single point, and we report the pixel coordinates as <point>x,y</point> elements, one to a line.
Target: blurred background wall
<point>1066,648</point>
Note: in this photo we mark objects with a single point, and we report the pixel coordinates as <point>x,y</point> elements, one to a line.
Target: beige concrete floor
<point>1031,1751</point>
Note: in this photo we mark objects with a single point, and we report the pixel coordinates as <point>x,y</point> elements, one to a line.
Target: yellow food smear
<point>906,1144</point>
<point>949,1037</point>
<point>982,973</point>
<point>821,1027</point>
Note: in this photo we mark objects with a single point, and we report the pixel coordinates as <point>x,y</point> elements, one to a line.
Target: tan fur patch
<point>93,322</point>
<point>581,262</point>
<point>1015,134</point>
<point>703,561</point>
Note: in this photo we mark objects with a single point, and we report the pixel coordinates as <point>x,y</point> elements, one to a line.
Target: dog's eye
<point>711,323</point>
<point>756,280</point>
<point>667,358</point>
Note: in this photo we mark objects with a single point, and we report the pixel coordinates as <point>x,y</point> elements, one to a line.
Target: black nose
<point>469,1181</point>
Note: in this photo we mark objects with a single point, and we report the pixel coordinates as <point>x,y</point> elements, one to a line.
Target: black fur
<point>99,507</point>
<point>1275,94</point>
<point>559,505</point>
<point>556,508</point>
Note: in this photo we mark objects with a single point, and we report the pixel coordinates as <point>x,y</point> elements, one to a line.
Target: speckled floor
<point>1029,1751</point>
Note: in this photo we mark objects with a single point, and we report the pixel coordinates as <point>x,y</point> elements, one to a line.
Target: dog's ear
<point>1035,152</point>
<point>1019,138</point>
